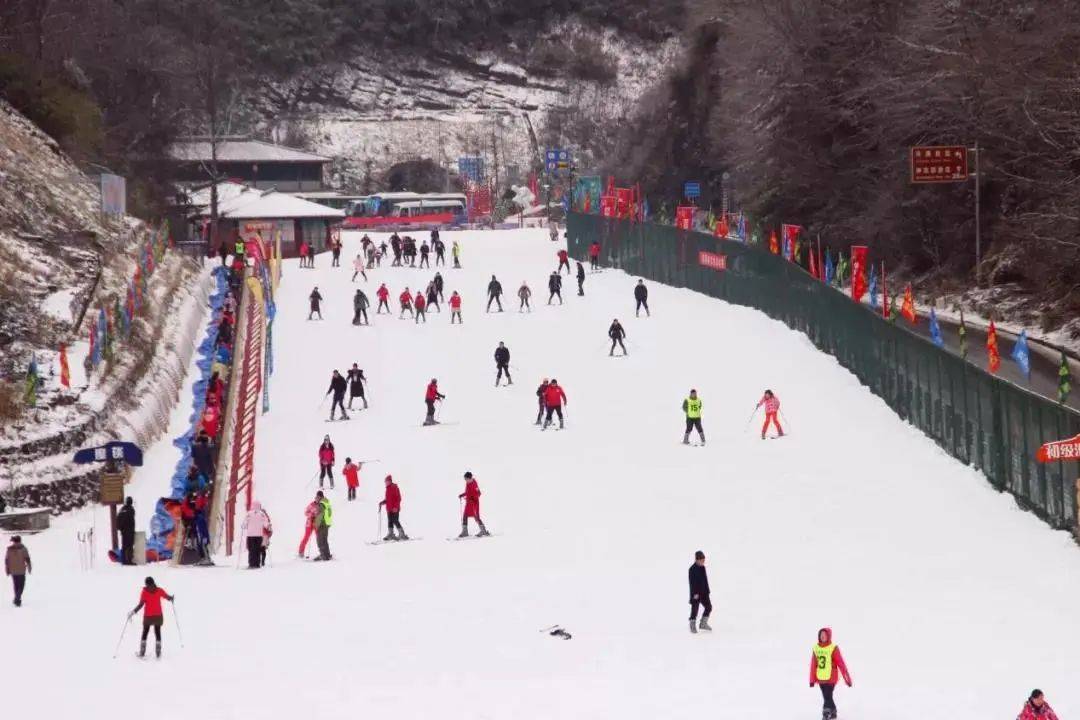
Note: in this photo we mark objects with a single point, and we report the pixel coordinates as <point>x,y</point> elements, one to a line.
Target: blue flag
<point>873,287</point>
<point>830,270</point>
<point>740,228</point>
<point>1020,354</point>
<point>935,330</point>
<point>644,209</point>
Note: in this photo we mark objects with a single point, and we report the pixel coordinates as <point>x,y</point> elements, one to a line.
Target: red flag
<point>65,371</point>
<point>722,226</point>
<point>884,293</point>
<point>908,308</point>
<point>992,348</point>
<point>774,244</point>
<point>813,264</point>
<point>588,202</point>
<point>858,272</point>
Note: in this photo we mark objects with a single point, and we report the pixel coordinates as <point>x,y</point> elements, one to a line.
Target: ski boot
<point>402,536</point>
<point>483,532</point>
<point>702,439</point>
<point>389,537</point>
<point>561,426</point>
<point>686,439</point>
<point>157,650</point>
<point>693,626</point>
<point>464,532</point>
<point>704,624</point>
<point>142,649</point>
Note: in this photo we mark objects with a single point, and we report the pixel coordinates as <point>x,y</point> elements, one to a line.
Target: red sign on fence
<point>939,164</point>
<point>1068,449</point>
<point>716,261</point>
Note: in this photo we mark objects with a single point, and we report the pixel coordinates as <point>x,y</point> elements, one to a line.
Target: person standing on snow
<point>310,513</point>
<point>438,280</point>
<point>494,294</point>
<point>256,523</point>
<point>825,662</point>
<point>440,248</point>
<point>335,252</point>
<point>455,308</point>
<point>430,396</point>
<point>502,364</point>
<point>150,603</point>
<point>433,297</point>
<point>351,471</point>
<point>316,298</point>
<point>555,286</point>
<point>125,523</point>
<point>616,333</point>
<point>564,261</point>
<point>472,507</point>
<point>641,296</point>
<point>323,521</point>
<point>424,250</point>
<point>699,593</point>
<point>455,252</point>
<point>406,304</point>
<point>337,386</point>
<point>356,385</point>
<point>540,394</point>
<point>554,399</point>
<point>553,232</point>
<point>17,566</point>
<point>772,407</point>
<point>326,462</point>
<point>360,306</point>
<point>358,268</point>
<point>524,293</point>
<point>594,255</point>
<point>692,407</point>
<point>1036,708</point>
<point>392,502</point>
<point>395,246</point>
<point>384,295</point>
<point>580,279</point>
<point>421,308</point>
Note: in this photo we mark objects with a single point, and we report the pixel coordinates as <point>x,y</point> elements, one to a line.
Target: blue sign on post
<point>471,168</point>
<point>557,161</point>
<point>692,190</point>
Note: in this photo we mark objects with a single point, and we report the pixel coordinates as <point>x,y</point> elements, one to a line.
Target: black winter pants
<point>430,409</point>
<point>826,696</point>
<point>339,402</point>
<point>706,606</point>
<point>503,369</point>
<point>554,294</point>
<point>494,299</point>
<point>393,522</point>
<point>641,304</point>
<point>19,583</point>
<point>127,548</point>
<point>558,411</point>
<point>326,471</point>
<point>617,341</point>
<point>360,313</point>
<point>581,286</point>
<point>254,548</point>
<point>382,304</point>
<point>692,423</point>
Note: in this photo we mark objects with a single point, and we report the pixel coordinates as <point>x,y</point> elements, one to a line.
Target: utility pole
<point>978,235</point>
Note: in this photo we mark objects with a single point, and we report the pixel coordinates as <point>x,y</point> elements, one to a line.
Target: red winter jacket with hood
<point>837,662</point>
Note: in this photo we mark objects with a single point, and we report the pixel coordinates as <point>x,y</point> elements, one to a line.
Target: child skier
<point>825,662</point>
<point>455,252</point>
<point>310,513</point>
<point>337,386</point>
<point>692,407</point>
<point>616,333</point>
<point>358,268</point>
<point>641,297</point>
<point>541,393</point>
<point>392,501</point>
<point>555,286</point>
<point>420,303</point>
<point>433,297</point>
<point>524,293</point>
<point>472,507</point>
<point>315,297</point>
<point>455,308</point>
<point>406,304</point>
<point>494,294</point>
<point>699,593</point>
<point>150,603</point>
<point>383,294</point>
<point>326,462</point>
<point>594,255</point>
<point>351,471</point>
<point>502,364</point>
<point>564,261</point>
<point>772,407</point>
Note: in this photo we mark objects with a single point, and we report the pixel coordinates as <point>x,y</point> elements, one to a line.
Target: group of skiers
<point>353,381</point>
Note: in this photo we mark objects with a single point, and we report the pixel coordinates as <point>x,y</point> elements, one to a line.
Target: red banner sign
<point>939,164</point>
<point>607,206</point>
<point>858,272</point>
<point>716,261</point>
<point>1060,450</point>
<point>684,217</point>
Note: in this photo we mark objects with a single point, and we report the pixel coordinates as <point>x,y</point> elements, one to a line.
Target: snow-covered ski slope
<point>946,599</point>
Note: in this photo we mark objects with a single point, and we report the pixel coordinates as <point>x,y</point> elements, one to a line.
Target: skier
<point>594,255</point>
<point>421,307</point>
<point>382,253</point>
<point>392,501</point>
<point>335,251</point>
<point>554,399</point>
<point>305,253</point>
<point>255,523</point>
<point>150,603</point>
<point>580,279</point>
<point>360,306</point>
<point>699,593</point>
<point>371,252</point>
<point>315,298</point>
<point>555,286</point>
<point>433,297</point>
<point>564,261</point>
<point>125,523</point>
<point>358,268</point>
<point>430,396</point>
<point>455,252</point>
<point>772,407</point>
<point>351,471</point>
<point>356,380</point>
<point>825,661</point>
<point>337,386</point>
<point>323,521</point>
<point>541,393</point>
<point>439,285</point>
<point>326,462</point>
<point>524,293</point>
<point>455,307</point>
<point>616,333</point>
<point>406,304</point>
<point>395,246</point>
<point>692,407</point>
<point>494,293</point>
<point>440,248</point>
<point>310,513</point>
<point>424,250</point>
<point>641,295</point>
<point>502,364</point>
<point>17,565</point>
<point>410,250</point>
<point>472,507</point>
<point>553,232</point>
<point>384,295</point>
<point>1036,708</point>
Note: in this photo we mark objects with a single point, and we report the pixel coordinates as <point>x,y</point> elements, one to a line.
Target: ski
<point>471,537</point>
<point>391,542</point>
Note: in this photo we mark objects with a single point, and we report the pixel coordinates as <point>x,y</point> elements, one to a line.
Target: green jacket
<point>326,517</point>
<point>692,408</point>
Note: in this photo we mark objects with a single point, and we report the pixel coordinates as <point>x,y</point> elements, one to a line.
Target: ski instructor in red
<point>472,507</point>
<point>825,662</point>
<point>430,396</point>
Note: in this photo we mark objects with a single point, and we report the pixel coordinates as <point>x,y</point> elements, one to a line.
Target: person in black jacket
<point>424,250</point>
<point>395,246</point>
<point>125,523</point>
<point>699,593</point>
<point>555,286</point>
<point>540,400</point>
<point>433,297</point>
<point>494,293</point>
<point>616,333</point>
<point>203,456</point>
<point>438,280</point>
<point>439,247</point>
<point>316,298</point>
<point>338,387</point>
<point>641,294</point>
<point>360,305</point>
<point>502,364</point>
<point>580,279</point>
<point>356,385</point>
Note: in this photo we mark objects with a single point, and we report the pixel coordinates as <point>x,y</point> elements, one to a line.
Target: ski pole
<point>750,419</point>
<point>121,640</point>
<point>176,620</point>
<point>378,511</point>
<point>313,476</point>
<point>784,418</point>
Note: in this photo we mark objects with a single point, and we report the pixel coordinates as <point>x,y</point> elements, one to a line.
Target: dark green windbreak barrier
<point>977,418</point>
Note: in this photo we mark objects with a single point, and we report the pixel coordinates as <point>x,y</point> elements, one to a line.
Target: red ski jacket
<point>382,292</point>
<point>472,498</point>
<point>837,662</point>
<point>392,498</point>
<point>406,299</point>
<point>594,250</point>
<point>562,256</point>
<point>432,392</point>
<point>455,302</point>
<point>772,404</point>
<point>352,475</point>
<point>420,302</point>
<point>554,396</point>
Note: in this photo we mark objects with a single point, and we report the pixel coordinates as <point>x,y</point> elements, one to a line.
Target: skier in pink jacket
<point>326,462</point>
<point>256,525</point>
<point>310,513</point>
<point>772,407</point>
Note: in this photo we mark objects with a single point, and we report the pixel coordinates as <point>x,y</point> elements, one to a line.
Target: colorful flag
<point>722,228</point>
<point>841,269</point>
<point>884,293</point>
<point>755,237</point>
<point>813,265</point>
<point>644,210</point>
<point>873,287</point>
<point>1021,356</point>
<point>774,244</point>
<point>741,227</point>
<point>992,348</point>
<point>858,272</point>
<point>963,336</point>
<point>908,309</point>
<point>830,271</point>
<point>935,330</point>
<point>1064,379</point>
<point>65,371</point>
<point>588,203</point>
<point>790,234</point>
<point>33,380</point>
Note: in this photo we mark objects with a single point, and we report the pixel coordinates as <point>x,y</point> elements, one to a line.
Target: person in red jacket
<point>420,303</point>
<point>384,295</point>
<point>772,406</point>
<point>211,418</point>
<point>1036,708</point>
<point>472,507</point>
<point>430,396</point>
<point>150,603</point>
<point>455,307</point>
<point>351,471</point>
<point>594,256</point>
<point>564,260</point>
<point>406,303</point>
<point>554,399</point>
<point>825,662</point>
<point>392,501</point>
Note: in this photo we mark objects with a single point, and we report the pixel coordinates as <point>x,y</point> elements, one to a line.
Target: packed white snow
<point>946,599</point>
<point>58,304</point>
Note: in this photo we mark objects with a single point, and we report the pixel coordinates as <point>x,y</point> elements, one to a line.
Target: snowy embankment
<point>854,520</point>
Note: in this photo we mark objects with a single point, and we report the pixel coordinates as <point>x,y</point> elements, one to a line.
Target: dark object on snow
<point>559,632</point>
